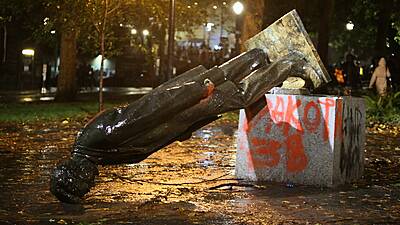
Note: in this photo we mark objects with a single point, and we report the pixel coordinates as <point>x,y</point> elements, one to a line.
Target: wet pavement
<point>189,182</point>
<point>45,95</point>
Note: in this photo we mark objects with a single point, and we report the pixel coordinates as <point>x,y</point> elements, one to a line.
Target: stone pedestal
<point>302,139</point>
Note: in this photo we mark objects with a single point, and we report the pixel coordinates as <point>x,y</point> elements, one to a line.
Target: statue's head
<point>72,179</point>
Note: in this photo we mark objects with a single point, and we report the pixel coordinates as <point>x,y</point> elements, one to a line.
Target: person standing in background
<point>350,70</point>
<point>379,77</point>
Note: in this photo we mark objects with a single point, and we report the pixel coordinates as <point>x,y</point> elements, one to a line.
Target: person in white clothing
<point>379,77</point>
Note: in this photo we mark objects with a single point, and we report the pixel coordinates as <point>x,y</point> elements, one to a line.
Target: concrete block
<point>302,139</point>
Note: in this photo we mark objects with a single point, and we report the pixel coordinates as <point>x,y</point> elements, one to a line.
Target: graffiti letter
<point>296,158</point>
<point>265,153</point>
<point>290,118</point>
<point>339,120</point>
<point>312,124</point>
<point>278,113</point>
<point>328,104</point>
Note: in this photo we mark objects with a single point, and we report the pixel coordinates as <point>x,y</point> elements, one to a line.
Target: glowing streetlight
<point>215,7</point>
<point>350,25</point>
<point>52,32</point>
<point>209,26</point>
<point>29,65</point>
<point>146,32</point>
<point>238,8</point>
<point>28,52</point>
<point>46,21</point>
<point>133,31</point>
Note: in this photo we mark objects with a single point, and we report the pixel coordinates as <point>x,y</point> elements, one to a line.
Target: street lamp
<point>223,7</point>
<point>238,8</point>
<point>145,32</point>
<point>29,55</point>
<point>133,31</point>
<point>146,40</point>
<point>171,39</point>
<point>28,52</point>
<point>350,25</point>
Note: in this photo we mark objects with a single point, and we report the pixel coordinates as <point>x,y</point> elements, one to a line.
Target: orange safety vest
<point>339,76</point>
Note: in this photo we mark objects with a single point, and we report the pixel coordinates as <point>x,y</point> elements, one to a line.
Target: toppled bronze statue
<point>184,104</point>
<point>169,113</point>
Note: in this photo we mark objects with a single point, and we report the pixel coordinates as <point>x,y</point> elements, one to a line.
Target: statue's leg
<point>115,127</point>
<point>114,136</point>
<point>241,66</point>
<point>228,96</point>
<point>182,92</point>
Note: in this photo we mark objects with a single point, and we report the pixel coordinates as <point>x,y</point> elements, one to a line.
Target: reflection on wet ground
<point>189,182</point>
<point>45,95</point>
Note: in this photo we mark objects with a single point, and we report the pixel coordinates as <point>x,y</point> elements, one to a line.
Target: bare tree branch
<point>116,7</point>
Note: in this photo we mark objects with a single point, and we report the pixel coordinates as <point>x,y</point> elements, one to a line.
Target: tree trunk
<point>384,11</point>
<point>326,9</point>
<point>4,43</point>
<point>66,81</point>
<point>101,83</point>
<point>252,20</point>
<point>171,39</point>
<point>162,76</point>
<point>102,34</point>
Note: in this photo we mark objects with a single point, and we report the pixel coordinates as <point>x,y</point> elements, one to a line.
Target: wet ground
<point>189,182</point>
<point>46,95</point>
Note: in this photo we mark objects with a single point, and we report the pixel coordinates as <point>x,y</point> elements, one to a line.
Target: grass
<point>50,111</point>
<point>383,109</point>
<point>27,112</point>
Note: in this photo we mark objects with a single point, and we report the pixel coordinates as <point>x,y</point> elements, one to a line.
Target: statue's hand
<point>72,179</point>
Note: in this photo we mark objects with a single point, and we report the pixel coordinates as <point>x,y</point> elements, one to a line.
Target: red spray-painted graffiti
<point>267,148</point>
<point>292,118</point>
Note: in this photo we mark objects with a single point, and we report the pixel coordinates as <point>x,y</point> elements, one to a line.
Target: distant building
<point>219,30</point>
<point>132,67</point>
<point>24,64</point>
